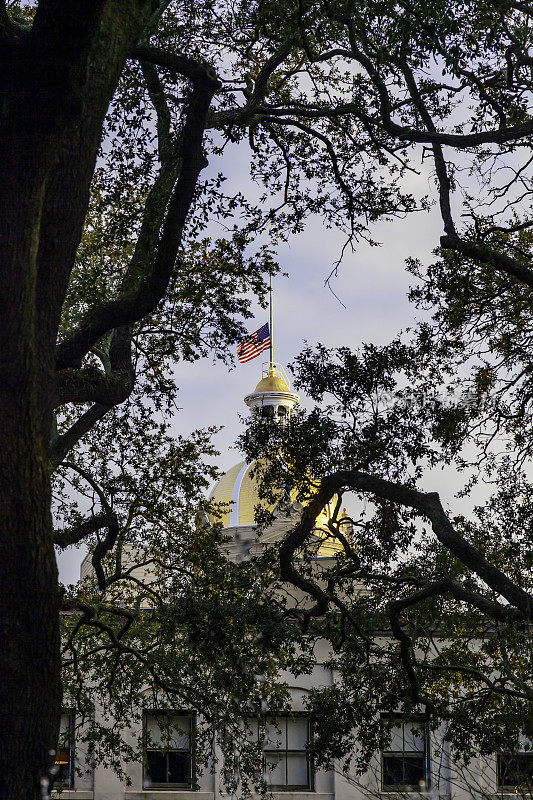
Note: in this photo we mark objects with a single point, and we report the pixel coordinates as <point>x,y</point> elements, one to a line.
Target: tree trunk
<point>30,691</point>
<point>30,687</point>
<point>56,82</point>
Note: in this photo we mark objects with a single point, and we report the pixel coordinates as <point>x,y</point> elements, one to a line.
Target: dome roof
<point>272,383</point>
<point>240,491</point>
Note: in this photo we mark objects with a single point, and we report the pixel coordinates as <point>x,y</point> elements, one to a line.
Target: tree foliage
<point>449,589</point>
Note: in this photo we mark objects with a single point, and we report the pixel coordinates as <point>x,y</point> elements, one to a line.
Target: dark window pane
<point>392,771</point>
<point>516,770</point>
<point>179,767</point>
<point>156,766</point>
<point>414,771</point>
<point>401,770</point>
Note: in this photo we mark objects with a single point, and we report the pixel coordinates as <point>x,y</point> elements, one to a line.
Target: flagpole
<point>271,331</point>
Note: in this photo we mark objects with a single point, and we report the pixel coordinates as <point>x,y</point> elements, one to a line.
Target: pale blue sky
<point>372,284</point>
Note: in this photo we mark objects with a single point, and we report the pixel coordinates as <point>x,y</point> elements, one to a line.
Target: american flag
<point>254,344</point>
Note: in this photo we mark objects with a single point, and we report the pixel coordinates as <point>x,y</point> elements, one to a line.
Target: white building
<point>414,766</point>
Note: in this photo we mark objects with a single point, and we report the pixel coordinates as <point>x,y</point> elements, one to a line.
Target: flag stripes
<point>254,344</point>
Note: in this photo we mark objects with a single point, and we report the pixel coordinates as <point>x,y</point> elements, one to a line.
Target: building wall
<point>447,779</point>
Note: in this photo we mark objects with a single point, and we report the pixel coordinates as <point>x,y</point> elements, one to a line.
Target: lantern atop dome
<point>273,394</point>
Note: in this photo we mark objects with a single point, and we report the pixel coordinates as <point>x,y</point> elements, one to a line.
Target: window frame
<point>406,754</point>
<point>58,782</point>
<point>262,722</point>
<point>512,787</point>
<point>191,784</point>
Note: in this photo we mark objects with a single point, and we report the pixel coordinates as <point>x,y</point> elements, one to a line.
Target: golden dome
<point>239,491</point>
<point>272,383</point>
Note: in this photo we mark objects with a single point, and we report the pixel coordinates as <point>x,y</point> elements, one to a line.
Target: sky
<point>368,304</point>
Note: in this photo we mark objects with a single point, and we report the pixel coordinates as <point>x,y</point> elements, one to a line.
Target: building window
<point>515,771</point>
<point>404,764</point>
<point>287,763</point>
<point>168,750</point>
<point>64,758</point>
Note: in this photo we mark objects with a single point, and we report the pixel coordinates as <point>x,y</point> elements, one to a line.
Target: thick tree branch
<point>271,64</point>
<point>91,385</point>
<point>63,444</point>
<point>486,255</point>
<point>199,73</point>
<point>406,644</point>
<point>403,133</point>
<point>144,298</point>
<point>497,611</point>
<point>68,536</point>
<point>425,504</point>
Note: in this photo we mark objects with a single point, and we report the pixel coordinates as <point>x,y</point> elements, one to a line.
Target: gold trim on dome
<point>248,498</point>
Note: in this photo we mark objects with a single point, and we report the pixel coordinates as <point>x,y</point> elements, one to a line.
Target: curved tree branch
<point>486,255</point>
<point>425,504</point>
<point>103,546</point>
<point>61,445</point>
<point>140,301</point>
<point>198,72</point>
<point>68,536</point>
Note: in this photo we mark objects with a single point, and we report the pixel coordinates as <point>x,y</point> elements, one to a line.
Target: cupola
<point>273,394</point>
